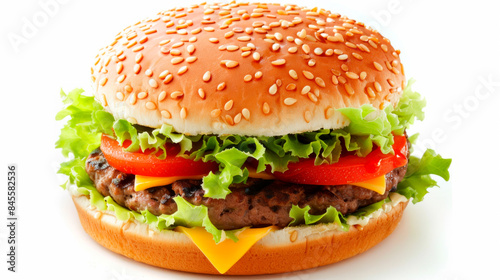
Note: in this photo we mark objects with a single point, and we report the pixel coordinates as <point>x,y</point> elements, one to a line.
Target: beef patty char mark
<point>257,203</point>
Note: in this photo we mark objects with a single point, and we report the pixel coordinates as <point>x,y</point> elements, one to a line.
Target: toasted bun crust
<point>248,69</point>
<point>288,249</point>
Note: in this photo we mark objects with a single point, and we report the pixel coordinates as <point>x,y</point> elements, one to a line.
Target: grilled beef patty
<point>257,203</point>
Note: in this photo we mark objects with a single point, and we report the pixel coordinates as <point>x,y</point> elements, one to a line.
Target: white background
<point>451,49</point>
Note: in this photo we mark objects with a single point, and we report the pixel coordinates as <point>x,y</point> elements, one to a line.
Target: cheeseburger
<point>244,139</point>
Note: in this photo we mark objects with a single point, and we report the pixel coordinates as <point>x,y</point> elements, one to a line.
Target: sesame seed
<point>132,99</point>
<point>391,82</point>
<point>176,94</point>
<point>342,80</point>
<point>120,96</point>
<point>312,97</point>
<point>289,101</point>
<point>213,40</point>
<point>307,116</point>
<point>148,73</point>
<point>191,59</point>
<point>229,34</point>
<point>278,82</point>
<point>153,83</point>
<point>349,89</point>
<point>190,49</point>
<point>119,67</point>
<point>370,92</point>
<point>192,39</point>
<point>352,75</point>
<point>183,113</point>
<point>311,62</point>
<point>103,81</point>
<point>335,81</point>
<point>232,48</point>
<point>201,93</point>
<point>265,108</point>
<point>168,78</point>
<point>305,90</point>
<point>291,87</point>
<point>256,56</point>
<point>293,74</point>
<point>177,60</point>
<point>215,113</point>
<point>278,36</point>
<point>179,44</point>
<point>362,75</point>
<point>320,82</point>
<point>142,95</point>
<point>128,88</point>
<point>121,78</point>
<point>166,114</point>
<point>229,120</point>
<point>237,118</point>
<point>343,57</point>
<point>329,112</point>
<point>351,45</point>
<point>344,67</point>
<point>378,66</point>
<point>245,54</point>
<point>232,64</point>
<point>164,42</point>
<point>292,49</point>
<point>244,38</point>
<point>357,56</point>
<point>246,113</point>
<point>221,86</point>
<point>278,62</point>
<point>207,76</point>
<point>247,78</point>
<point>308,75</point>
<point>329,52</point>
<point>306,48</point>
<point>363,47</point>
<point>384,47</point>
<point>258,75</point>
<point>275,47</point>
<point>163,74</point>
<point>229,105</point>
<point>273,89</point>
<point>162,96</point>
<point>373,44</point>
<point>182,70</point>
<point>150,105</point>
<point>318,51</point>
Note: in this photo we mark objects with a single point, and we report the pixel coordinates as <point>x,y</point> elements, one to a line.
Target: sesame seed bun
<point>258,69</point>
<point>284,250</point>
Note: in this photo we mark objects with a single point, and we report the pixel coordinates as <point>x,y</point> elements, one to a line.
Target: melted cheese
<point>145,182</point>
<point>226,253</point>
<point>376,184</point>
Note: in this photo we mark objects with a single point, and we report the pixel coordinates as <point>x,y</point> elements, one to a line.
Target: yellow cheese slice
<point>376,184</point>
<point>146,182</point>
<point>226,253</point>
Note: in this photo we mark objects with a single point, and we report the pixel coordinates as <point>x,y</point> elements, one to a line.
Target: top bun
<point>248,69</point>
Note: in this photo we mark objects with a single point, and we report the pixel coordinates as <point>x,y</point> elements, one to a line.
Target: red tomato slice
<point>146,164</point>
<point>349,169</point>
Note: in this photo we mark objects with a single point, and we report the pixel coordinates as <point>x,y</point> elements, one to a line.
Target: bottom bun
<point>284,250</point>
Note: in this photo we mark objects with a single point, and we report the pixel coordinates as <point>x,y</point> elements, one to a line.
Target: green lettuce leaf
<point>302,216</point>
<point>417,180</point>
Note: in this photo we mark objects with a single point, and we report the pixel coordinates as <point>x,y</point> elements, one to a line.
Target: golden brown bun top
<point>249,69</point>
